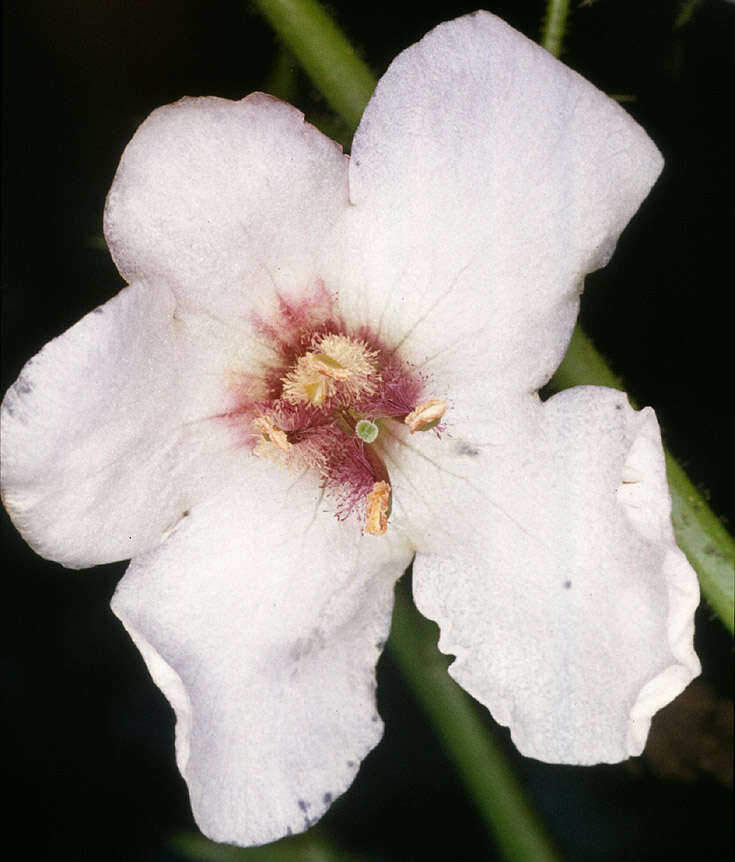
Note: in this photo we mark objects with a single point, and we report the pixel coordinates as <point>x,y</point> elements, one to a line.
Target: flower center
<point>339,369</point>
<point>326,409</point>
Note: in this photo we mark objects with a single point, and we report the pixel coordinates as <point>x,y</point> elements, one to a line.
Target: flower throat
<point>331,403</point>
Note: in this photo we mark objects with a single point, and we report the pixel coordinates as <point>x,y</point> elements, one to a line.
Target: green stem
<point>324,53</point>
<point>555,25</point>
<point>482,765</point>
<point>707,544</point>
<point>700,534</point>
<point>583,365</point>
<point>281,81</point>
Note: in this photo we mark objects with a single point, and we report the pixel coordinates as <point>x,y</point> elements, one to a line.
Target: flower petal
<point>565,599</point>
<point>487,179</point>
<point>88,434</point>
<point>262,618</point>
<point>226,201</point>
<point>106,435</point>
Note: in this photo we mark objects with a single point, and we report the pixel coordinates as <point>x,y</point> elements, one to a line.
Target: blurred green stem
<point>324,53</point>
<point>707,544</point>
<point>686,13</point>
<point>332,64</point>
<point>555,25</point>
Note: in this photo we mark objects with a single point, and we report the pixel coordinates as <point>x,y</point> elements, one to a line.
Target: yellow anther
<point>339,366</point>
<point>426,415</point>
<point>316,391</point>
<point>378,509</point>
<point>271,432</point>
<point>327,366</point>
<point>351,354</point>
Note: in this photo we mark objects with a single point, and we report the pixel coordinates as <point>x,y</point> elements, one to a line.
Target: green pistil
<point>366,430</point>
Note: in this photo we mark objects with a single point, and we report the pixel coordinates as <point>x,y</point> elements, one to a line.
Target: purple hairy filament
<point>322,406</point>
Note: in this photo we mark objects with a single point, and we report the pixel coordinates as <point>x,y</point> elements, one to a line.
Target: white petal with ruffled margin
<point>228,202</point>
<point>262,618</point>
<point>90,432</point>
<point>487,178</point>
<point>560,589</point>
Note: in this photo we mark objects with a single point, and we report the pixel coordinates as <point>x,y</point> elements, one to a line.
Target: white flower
<point>286,304</point>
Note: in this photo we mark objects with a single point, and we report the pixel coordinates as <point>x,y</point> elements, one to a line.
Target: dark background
<point>88,739</point>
